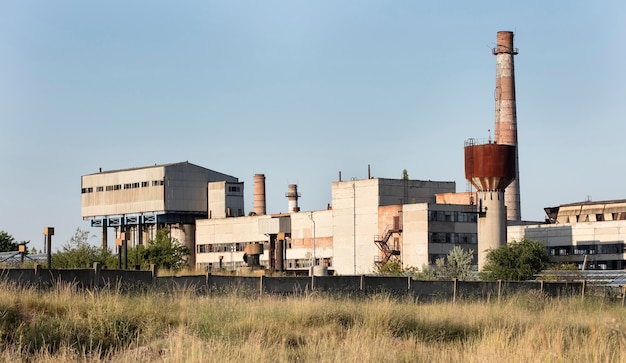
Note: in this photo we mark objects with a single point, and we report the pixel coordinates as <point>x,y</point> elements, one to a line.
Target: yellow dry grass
<point>67,325</point>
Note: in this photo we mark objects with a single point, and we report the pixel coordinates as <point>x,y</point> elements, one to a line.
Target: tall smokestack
<point>292,198</point>
<point>506,115</point>
<point>259,194</point>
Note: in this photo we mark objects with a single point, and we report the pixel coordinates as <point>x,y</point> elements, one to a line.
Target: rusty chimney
<point>259,194</point>
<point>506,115</point>
<point>292,198</point>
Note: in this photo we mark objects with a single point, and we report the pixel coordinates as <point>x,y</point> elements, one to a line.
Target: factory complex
<point>368,222</point>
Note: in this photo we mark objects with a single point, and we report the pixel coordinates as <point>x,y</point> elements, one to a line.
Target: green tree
<point>79,253</point>
<point>456,265</point>
<point>427,273</point>
<point>405,174</point>
<point>164,251</point>
<point>515,261</point>
<point>8,243</point>
<point>391,268</point>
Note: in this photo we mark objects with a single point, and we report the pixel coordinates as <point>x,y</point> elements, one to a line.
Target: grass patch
<point>65,324</point>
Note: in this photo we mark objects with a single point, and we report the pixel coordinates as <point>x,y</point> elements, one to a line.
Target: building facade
<point>367,224</point>
<point>139,201</point>
<point>589,234</point>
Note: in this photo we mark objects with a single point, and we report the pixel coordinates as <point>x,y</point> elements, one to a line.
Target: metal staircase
<point>382,241</point>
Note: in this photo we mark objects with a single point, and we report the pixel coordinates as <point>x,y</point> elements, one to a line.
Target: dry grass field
<point>67,325</point>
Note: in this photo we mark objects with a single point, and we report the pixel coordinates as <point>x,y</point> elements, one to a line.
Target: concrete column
<point>491,223</point>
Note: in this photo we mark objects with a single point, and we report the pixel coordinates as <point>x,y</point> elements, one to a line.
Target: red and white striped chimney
<point>292,198</point>
<point>506,115</point>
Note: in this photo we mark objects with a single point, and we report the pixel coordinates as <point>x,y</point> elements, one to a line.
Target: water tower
<point>490,168</point>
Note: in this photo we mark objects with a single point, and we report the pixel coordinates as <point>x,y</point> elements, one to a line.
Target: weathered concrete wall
<point>284,285</point>
<point>385,284</point>
<point>432,290</point>
<point>177,283</point>
<point>477,289</point>
<point>19,276</point>
<point>242,284</point>
<point>130,280</point>
<point>123,279</point>
<point>337,283</point>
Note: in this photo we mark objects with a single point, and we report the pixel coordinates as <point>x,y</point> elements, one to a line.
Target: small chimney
<point>292,197</point>
<point>259,194</point>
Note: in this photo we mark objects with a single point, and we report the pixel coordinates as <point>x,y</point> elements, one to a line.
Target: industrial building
<point>587,234</point>
<point>368,223</point>
<point>139,201</point>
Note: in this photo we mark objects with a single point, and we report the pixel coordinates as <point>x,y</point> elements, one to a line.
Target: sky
<point>300,91</point>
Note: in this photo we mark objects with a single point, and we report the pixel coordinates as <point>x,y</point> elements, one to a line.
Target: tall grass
<point>67,325</point>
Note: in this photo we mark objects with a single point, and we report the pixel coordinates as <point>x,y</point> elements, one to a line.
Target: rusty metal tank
<point>489,167</point>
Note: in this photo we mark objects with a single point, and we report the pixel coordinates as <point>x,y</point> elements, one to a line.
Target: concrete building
<point>139,201</point>
<point>369,222</point>
<point>588,234</point>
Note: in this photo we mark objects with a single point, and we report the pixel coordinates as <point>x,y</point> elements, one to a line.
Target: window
<point>127,186</point>
<point>99,189</point>
<point>157,183</point>
<point>135,185</point>
<point>234,188</point>
<point>144,184</point>
<point>87,190</point>
<point>117,187</point>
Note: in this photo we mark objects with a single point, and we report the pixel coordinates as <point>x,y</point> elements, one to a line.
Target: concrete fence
<point>124,280</point>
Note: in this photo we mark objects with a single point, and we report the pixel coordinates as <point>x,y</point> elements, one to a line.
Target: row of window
<point>110,188</point>
<point>225,247</point>
<point>296,263</point>
<point>456,238</point>
<point>451,216</point>
<point>592,249</point>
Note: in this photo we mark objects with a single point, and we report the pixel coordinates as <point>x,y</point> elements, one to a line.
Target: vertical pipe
<point>506,114</point>
<point>259,194</point>
<point>105,235</point>
<point>48,233</point>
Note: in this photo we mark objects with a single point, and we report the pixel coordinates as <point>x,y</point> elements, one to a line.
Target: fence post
<point>261,285</point>
<point>454,290</point>
<point>541,291</point>
<point>96,275</point>
<point>582,294</point>
<point>623,294</point>
<point>499,290</point>
<point>153,271</point>
<point>362,283</point>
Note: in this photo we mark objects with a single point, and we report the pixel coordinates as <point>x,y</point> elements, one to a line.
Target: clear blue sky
<point>300,90</point>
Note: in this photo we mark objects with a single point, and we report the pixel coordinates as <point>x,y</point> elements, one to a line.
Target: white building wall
<point>570,234</point>
<point>355,223</point>
<point>415,235</point>
<point>302,236</point>
<point>123,201</point>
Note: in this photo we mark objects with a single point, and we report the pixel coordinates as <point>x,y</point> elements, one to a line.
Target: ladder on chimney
<point>382,242</point>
